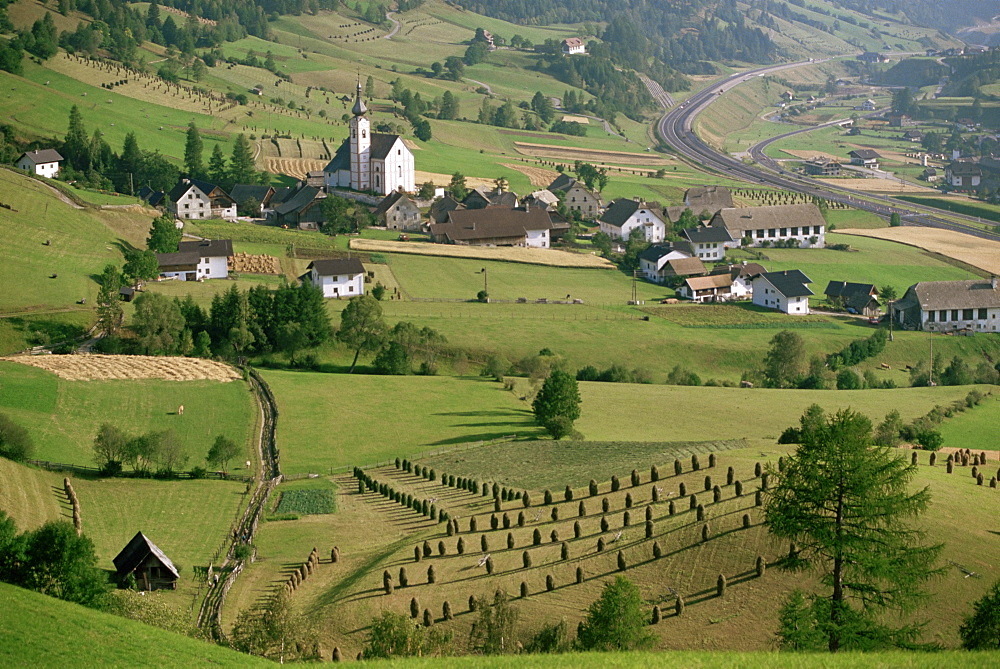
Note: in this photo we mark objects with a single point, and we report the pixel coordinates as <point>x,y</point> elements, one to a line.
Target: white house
<point>370,161</point>
<point>572,46</point>
<point>495,226</point>
<point>625,215</point>
<point>785,291</point>
<point>338,277</point>
<point>43,162</point>
<point>741,275</point>
<point>963,175</point>
<point>766,226</point>
<point>197,261</point>
<point>709,243</point>
<point>943,306</point>
<point>711,288</point>
<point>195,199</point>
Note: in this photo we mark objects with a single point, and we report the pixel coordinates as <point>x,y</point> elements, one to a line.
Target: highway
<point>675,129</point>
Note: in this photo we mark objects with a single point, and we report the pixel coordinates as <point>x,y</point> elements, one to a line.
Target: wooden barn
<point>152,569</point>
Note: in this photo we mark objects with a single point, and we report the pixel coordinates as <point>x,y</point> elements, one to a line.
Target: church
<point>370,161</point>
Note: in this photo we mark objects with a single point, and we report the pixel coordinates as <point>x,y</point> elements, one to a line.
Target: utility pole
<point>635,298</point>
<point>930,374</point>
<point>890,320</point>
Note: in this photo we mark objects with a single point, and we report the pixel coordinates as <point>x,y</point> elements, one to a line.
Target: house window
<point>770,232</point>
<point>364,133</point>
<point>760,234</point>
<point>784,232</point>
<point>943,315</point>
<point>818,229</point>
<point>930,316</point>
<point>187,206</point>
<point>400,171</point>
<point>954,314</point>
<point>795,231</point>
<point>966,314</point>
<point>982,314</point>
<point>399,152</point>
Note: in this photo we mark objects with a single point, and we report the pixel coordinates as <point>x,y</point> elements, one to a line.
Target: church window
<point>354,133</point>
<point>400,171</point>
<point>364,133</point>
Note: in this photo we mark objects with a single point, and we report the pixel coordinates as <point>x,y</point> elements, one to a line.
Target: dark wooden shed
<point>153,570</point>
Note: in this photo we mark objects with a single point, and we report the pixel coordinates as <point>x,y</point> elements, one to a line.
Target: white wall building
<point>624,215</point>
<point>769,226</point>
<point>43,162</point>
<point>338,277</point>
<point>194,199</point>
<point>945,306</point>
<point>785,291</point>
<point>197,261</point>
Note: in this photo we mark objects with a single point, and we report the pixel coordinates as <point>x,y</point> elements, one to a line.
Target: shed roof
<point>712,198</point>
<point>709,282</point>
<point>184,185</point>
<point>243,192</point>
<point>865,154</point>
<point>337,266</point>
<point>137,550</point>
<point>622,209</point>
<point>686,266</point>
<point>302,197</point>
<point>848,289</point>
<point>706,234</point>
<point>492,223</point>
<point>389,200</point>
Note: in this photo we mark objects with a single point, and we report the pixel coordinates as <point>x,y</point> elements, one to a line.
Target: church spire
<point>359,105</point>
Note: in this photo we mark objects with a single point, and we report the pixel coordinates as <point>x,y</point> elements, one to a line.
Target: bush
<point>15,442</point>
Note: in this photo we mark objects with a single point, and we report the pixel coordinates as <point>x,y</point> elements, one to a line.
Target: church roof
<point>359,108</point>
<point>382,145</point>
<point>341,159</point>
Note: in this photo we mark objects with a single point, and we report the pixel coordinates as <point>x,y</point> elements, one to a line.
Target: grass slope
<point>41,631</point>
<point>30,496</point>
<point>63,416</point>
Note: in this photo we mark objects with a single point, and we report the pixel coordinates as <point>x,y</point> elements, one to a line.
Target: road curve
<point>675,129</point>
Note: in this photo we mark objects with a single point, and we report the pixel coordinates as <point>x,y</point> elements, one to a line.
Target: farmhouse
<point>625,215</point>
<point>480,198</point>
<point>43,162</point>
<point>572,46</point>
<point>963,175</point>
<point>785,291</point>
<point>443,206</point>
<point>873,57</point>
<point>542,198</point>
<point>370,161</point>
<point>660,261</point>
<point>900,121</point>
<point>913,136</point>
<point>153,197</point>
<point>708,199</point>
<point>930,174</point>
<point>741,275</point>
<point>709,243</point>
<point>944,306</point>
<point>577,196</point>
<point>302,209</point>
<point>248,194</point>
<point>196,199</point>
<point>711,288</point>
<point>822,167</point>
<point>495,226</point>
<point>337,277</point>
<point>150,566</point>
<point>857,298</point>
<point>755,226</point>
<point>396,211</point>
<point>197,261</point>
<point>867,158</point>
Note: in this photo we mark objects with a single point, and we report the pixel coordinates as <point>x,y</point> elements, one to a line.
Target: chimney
<point>993,281</point>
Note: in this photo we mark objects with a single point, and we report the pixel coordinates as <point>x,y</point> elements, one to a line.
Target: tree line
<point>159,453</point>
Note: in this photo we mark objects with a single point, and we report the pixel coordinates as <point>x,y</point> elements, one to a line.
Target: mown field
<point>63,416</point>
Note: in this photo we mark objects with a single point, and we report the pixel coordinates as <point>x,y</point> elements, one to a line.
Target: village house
<point>856,298</point>
<point>154,198</point>
<point>337,277</point>
<point>711,288</point>
<point>303,209</point>
<point>755,226</point>
<point>197,261</point>
<point>785,291</point>
<point>710,199</point>
<point>43,162</point>
<point>542,198</point>
<point>900,121</point>
<point>947,306</point>
<point>247,194</point>
<point>822,167</point>
<point>194,199</point>
<point>625,215</point>
<point>867,105</point>
<point>913,136</point>
<point>662,261</point>
<point>481,197</point>
<point>867,158</point>
<point>961,174</point>
<point>930,174</point>
<point>396,211</point>
<point>873,57</point>
<point>741,275</point>
<point>577,196</point>
<point>572,46</point>
<point>150,566</point>
<point>495,226</point>
<point>370,161</point>
<point>709,243</point>
<point>443,206</point>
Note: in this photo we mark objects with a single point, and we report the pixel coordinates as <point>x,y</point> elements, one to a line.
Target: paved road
<point>675,128</point>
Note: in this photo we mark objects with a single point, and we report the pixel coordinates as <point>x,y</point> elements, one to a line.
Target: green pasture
<point>18,333</point>
<point>875,261</point>
<point>854,218</point>
<point>63,416</point>
<point>30,496</point>
<point>41,631</point>
<point>334,420</point>
<point>969,207</point>
<point>975,428</point>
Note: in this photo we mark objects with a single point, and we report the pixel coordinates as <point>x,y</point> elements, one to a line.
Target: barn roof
<point>137,550</point>
<point>337,266</point>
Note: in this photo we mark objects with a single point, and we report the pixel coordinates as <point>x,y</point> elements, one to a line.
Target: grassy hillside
<point>31,496</point>
<point>40,631</point>
<point>63,416</point>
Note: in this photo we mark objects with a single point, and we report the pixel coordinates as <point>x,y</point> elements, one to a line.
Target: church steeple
<point>359,105</point>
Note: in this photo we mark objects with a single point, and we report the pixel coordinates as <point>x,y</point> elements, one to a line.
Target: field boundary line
<point>428,454</point>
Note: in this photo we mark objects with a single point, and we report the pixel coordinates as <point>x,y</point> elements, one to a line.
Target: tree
<point>15,441</point>
<point>392,359</point>
<point>845,503</point>
<point>980,630</point>
<point>887,432</point>
<point>171,454</point>
<point>493,631</point>
<point>140,265</point>
<point>426,191</point>
<point>361,326</point>
<point>158,323</point>
<point>241,165</point>
<point>217,170</point>
<point>109,308</point>
<point>222,451</point>
<point>370,87</point>
<point>542,106</point>
<point>396,635</point>
<point>457,186</point>
<point>76,145</point>
<point>62,564</point>
<point>617,620</point>
<point>192,152</point>
<point>557,403</point>
<point>276,632</point>
<point>785,360</point>
<point>449,107</point>
<point>422,130</point>
<point>894,220</point>
<point>164,236</point>
<point>888,293</point>
<point>110,447</point>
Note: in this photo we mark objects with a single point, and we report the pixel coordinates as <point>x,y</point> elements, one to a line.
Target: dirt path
<point>489,91</point>
<point>395,25</point>
<point>61,195</point>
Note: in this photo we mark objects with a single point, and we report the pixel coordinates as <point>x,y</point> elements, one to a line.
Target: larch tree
<point>617,620</point>
<point>192,152</point>
<point>785,361</point>
<point>981,629</point>
<point>846,504</point>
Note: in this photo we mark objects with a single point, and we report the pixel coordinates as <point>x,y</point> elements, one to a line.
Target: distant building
<point>150,566</point>
<point>482,197</point>
<point>443,206</point>
<point>654,261</point>
<point>572,46</point>
<point>711,288</point>
<point>43,162</point>
<point>786,291</point>
<point>913,136</point>
<point>867,158</point>
<point>495,226</point>
<point>542,198</point>
<point>963,175</point>
<point>867,105</point>
<point>708,243</point>
<point>741,275</point>
<point>625,215</point>
<point>244,194</point>
<point>396,211</point>
<point>337,277</point>
<point>822,167</point>
<point>194,199</point>
<point>197,261</point>
<point>154,198</point>
<point>857,298</point>
<point>930,175</point>
<point>578,197</point>
<point>754,226</point>
<point>302,209</point>
<point>900,121</point>
<point>871,57</point>
<point>708,198</point>
<point>943,306</point>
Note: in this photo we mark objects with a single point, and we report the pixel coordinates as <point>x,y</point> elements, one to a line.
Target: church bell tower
<point>360,144</point>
